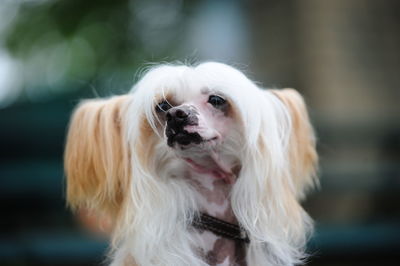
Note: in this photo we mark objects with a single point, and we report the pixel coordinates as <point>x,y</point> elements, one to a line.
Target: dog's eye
<point>216,101</point>
<point>163,106</point>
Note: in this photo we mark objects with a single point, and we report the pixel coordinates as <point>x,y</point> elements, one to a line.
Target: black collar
<point>220,227</point>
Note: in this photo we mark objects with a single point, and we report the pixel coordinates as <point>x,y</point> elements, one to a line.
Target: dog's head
<point>198,123</point>
<point>211,114</point>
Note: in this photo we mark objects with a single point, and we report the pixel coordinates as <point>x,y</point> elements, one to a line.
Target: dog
<point>196,166</point>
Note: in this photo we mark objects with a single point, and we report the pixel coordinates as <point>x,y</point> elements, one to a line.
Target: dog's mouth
<point>183,138</point>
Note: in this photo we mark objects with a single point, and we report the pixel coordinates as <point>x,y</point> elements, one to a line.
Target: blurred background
<point>342,55</point>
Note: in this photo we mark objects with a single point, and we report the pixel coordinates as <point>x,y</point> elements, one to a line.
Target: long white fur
<point>154,227</point>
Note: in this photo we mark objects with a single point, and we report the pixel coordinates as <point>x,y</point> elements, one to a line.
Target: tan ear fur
<point>96,158</point>
<point>302,146</point>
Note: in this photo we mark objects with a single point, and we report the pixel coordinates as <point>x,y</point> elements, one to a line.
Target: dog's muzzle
<point>177,119</point>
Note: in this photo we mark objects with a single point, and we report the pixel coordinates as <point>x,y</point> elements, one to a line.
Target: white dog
<point>197,166</point>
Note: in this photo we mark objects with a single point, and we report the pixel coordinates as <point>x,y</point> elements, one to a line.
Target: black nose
<point>178,115</point>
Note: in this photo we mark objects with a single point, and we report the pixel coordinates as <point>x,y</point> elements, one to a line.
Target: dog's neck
<point>213,195</point>
<point>213,178</point>
<point>213,184</point>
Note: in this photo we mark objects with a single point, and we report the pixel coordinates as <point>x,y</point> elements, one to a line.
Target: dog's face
<point>196,120</point>
<point>199,125</point>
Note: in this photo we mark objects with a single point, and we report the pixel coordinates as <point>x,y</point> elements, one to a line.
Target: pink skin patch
<point>213,186</point>
<point>217,172</point>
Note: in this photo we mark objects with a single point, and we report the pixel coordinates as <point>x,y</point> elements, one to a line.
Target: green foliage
<point>66,44</point>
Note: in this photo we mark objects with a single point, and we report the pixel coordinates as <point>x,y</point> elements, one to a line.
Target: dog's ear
<point>96,161</point>
<point>302,144</point>
<point>277,170</point>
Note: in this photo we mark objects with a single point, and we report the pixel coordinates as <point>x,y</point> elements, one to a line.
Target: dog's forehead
<point>190,94</point>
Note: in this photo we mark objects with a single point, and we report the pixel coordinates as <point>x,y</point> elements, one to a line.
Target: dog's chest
<point>212,196</point>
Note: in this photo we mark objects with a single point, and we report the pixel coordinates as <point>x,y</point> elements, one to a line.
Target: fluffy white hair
<point>117,165</point>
